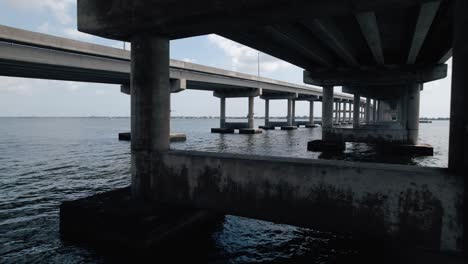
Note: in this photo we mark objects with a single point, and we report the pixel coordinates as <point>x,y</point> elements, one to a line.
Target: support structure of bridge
<point>338,45</point>
<point>229,127</point>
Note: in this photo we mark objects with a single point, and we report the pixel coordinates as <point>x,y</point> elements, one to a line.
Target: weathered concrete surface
<point>458,145</point>
<point>174,137</point>
<point>326,146</point>
<point>113,222</point>
<point>277,123</point>
<point>150,108</point>
<point>371,135</point>
<point>222,130</point>
<point>250,131</point>
<point>267,127</point>
<point>236,125</point>
<point>407,150</point>
<point>420,205</point>
<point>288,127</point>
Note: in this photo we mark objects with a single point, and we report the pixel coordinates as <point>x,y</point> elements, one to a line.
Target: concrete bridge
<point>381,49</point>
<point>29,54</point>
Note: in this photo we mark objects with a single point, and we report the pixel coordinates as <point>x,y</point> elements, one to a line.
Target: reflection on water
<point>44,161</point>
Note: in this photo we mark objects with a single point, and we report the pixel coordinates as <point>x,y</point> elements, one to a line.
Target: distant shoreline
<point>196,117</point>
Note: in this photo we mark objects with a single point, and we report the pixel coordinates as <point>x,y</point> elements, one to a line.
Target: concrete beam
<point>178,85</point>
<point>333,38</point>
<point>427,13</point>
<point>370,30</point>
<point>39,40</point>
<point>279,96</point>
<point>233,94</point>
<point>306,98</point>
<point>376,76</point>
<point>125,88</point>
<point>291,36</point>
<point>118,19</point>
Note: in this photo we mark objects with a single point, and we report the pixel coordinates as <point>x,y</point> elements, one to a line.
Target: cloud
<point>23,87</point>
<point>61,9</point>
<point>44,28</point>
<point>75,34</point>
<point>190,60</point>
<point>246,59</point>
<point>100,92</point>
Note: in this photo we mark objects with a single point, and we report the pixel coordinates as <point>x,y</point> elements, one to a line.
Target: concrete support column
<point>267,112</point>
<point>222,116</point>
<point>311,112</point>
<point>250,115</point>
<point>367,111</point>
<point>356,109</point>
<point>150,110</point>
<point>413,113</point>
<point>339,113</point>
<point>458,140</point>
<point>350,116</point>
<point>289,116</point>
<point>327,107</point>
<point>345,111</point>
<point>293,112</point>
<point>379,105</point>
<point>374,110</point>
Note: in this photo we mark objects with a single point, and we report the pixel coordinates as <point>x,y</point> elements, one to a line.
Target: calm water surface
<point>44,161</point>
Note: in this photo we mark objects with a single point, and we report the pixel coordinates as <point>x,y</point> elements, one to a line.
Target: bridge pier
<point>458,140</point>
<point>367,110</point>
<point>150,110</point>
<point>290,115</point>
<point>311,114</point>
<point>229,127</point>
<point>356,110</point>
<point>374,111</point>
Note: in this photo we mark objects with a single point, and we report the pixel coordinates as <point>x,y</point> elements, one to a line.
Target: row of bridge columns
<point>339,115</point>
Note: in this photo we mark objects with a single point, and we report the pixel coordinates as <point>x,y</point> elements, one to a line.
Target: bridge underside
<point>338,43</point>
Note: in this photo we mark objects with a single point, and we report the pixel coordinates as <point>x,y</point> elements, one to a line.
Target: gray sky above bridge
<point>28,97</point>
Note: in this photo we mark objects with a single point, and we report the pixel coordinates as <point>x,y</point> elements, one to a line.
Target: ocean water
<point>44,161</point>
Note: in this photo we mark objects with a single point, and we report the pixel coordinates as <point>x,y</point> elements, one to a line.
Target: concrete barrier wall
<point>421,204</point>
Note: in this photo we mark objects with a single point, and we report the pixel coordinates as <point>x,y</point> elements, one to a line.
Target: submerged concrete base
<point>267,127</point>
<point>175,137</point>
<point>288,127</point>
<point>250,131</point>
<point>222,130</point>
<point>114,222</point>
<point>326,146</point>
<point>407,150</point>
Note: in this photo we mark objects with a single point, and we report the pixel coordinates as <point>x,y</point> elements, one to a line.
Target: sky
<point>31,97</point>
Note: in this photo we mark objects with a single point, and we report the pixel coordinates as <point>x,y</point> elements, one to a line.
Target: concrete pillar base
<point>326,146</point>
<point>112,220</point>
<point>174,137</point>
<point>288,127</point>
<point>311,126</point>
<point>250,131</point>
<point>222,130</point>
<point>267,127</point>
<point>407,150</point>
